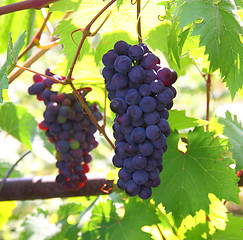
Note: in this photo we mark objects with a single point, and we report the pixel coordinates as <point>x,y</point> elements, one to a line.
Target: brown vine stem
<point>101,129</point>
<point>139,29</point>
<point>86,33</point>
<point>43,75</point>
<point>28,4</point>
<point>160,232</point>
<point>35,40</point>
<point>208,86</point>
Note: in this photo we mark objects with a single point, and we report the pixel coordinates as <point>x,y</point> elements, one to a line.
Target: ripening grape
<point>141,94</point>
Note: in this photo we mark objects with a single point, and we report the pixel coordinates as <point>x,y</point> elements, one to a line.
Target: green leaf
<point>105,224</point>
<point>65,28</point>
<point>17,122</point>
<point>234,131</point>
<point>233,230</point>
<point>178,120</point>
<point>189,177</point>
<point>8,66</point>
<point>219,27</point>
<point>65,5</point>
<point>5,166</point>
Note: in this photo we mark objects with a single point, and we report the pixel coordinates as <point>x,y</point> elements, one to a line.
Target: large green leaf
<point>219,27</point>
<point>189,177</point>
<point>105,224</point>
<point>16,121</point>
<point>65,5</point>
<point>234,131</point>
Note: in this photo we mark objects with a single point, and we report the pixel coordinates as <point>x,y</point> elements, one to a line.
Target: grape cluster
<point>141,93</point>
<point>69,127</point>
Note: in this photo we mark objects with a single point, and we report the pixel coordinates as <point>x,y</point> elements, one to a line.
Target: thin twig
<point>139,29</point>
<point>12,168</point>
<point>208,86</point>
<point>160,232</point>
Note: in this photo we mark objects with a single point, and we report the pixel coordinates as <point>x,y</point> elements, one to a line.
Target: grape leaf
<point>233,229</point>
<point>8,66</point>
<point>219,28</point>
<point>178,120</point>
<point>105,224</point>
<point>189,177</point>
<point>4,167</point>
<point>65,29</point>
<point>16,121</point>
<point>234,131</point>
<point>65,5</point>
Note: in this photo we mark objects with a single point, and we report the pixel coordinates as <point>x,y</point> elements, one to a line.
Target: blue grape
<point>131,149</point>
<point>123,120</point>
<point>134,112</point>
<point>146,148</point>
<point>55,129</point>
<point>119,149</point>
<point>154,174</point>
<point>151,117</point>
<point>127,165</point>
<point>164,75</point>
<point>151,165</point>
<point>132,188</point>
<point>156,86</point>
<point>159,142</point>
<point>36,88</point>
<point>163,125</point>
<point>118,105</point>
<point>126,130</point>
<point>121,48</point>
<point>153,132</point>
<point>123,64</point>
<point>117,161</point>
<point>137,123</point>
<point>145,47</point>
<point>165,96</point>
<point>149,61</point>
<point>145,90</point>
<point>62,146</point>
<point>147,104</point>
<point>145,193</point>
<point>140,176</point>
<point>119,81</point>
<point>121,93</point>
<point>109,58</point>
<point>133,97</point>
<point>139,161</point>
<point>138,135</point>
<point>136,52</point>
<point>65,111</point>
<point>108,73</point>
<point>150,75</point>
<point>156,182</point>
<point>124,175</point>
<point>121,183</point>
<point>164,114</point>
<point>136,74</point>
<point>119,136</point>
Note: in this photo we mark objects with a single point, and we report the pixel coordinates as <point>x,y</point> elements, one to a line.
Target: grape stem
<point>139,29</point>
<point>28,4</point>
<point>86,33</point>
<point>101,129</point>
<point>43,75</point>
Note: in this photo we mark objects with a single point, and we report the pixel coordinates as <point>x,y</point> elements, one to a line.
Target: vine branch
<point>139,29</point>
<point>28,4</point>
<point>208,86</point>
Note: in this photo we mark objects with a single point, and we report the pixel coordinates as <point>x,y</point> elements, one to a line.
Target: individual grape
<point>163,125</point>
<point>121,48</point>
<point>74,144</point>
<point>149,61</point>
<point>37,78</point>
<point>138,135</point>
<point>133,97</point>
<point>131,149</point>
<point>151,118</point>
<point>151,165</point>
<point>145,90</point>
<point>154,174</point>
<point>146,148</point>
<point>119,149</point>
<point>126,130</point>
<point>134,112</point>
<point>165,96</point>
<point>156,86</point>
<point>53,107</point>
<point>67,156</point>
<point>118,105</point>
<point>119,81</point>
<point>124,175</point>
<point>139,161</point>
<point>123,64</point>
<point>45,95</point>
<point>153,132</point>
<point>140,176</point>
<point>167,132</point>
<point>164,114</point>
<point>123,120</point>
<point>119,136</point>
<point>156,182</point>
<point>65,111</point>
<point>55,129</point>
<point>145,47</point>
<point>145,193</point>
<point>150,75</point>
<point>63,146</point>
<point>159,142</point>
<point>108,73</point>
<point>36,88</point>
<point>147,104</point>
<point>121,93</point>
<point>157,154</point>
<point>67,125</point>
<point>159,106</point>
<point>136,74</point>
<point>137,123</point>
<point>132,188</point>
<point>136,52</point>
<point>109,58</point>
<point>127,165</point>
<point>121,183</point>
<point>164,75</point>
<point>117,161</point>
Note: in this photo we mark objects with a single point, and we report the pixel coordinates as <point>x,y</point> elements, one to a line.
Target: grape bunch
<point>141,93</point>
<point>68,126</point>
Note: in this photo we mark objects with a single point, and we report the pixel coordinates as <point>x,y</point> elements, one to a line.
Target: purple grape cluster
<point>69,127</point>
<point>141,93</point>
